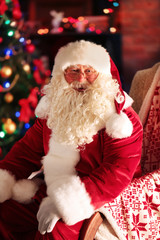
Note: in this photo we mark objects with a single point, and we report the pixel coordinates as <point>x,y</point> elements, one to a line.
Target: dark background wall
<point>138,21</point>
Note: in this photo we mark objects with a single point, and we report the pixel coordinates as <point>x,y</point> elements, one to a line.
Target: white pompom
<point>24,190</point>
<point>7,182</point>
<point>119,126</point>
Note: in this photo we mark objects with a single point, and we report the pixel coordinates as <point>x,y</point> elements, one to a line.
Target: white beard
<point>75,117</point>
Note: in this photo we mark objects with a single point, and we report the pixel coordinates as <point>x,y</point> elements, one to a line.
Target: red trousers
<point>18,222</point>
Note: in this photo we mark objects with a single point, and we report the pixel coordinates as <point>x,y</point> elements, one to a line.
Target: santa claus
<point>88,140</point>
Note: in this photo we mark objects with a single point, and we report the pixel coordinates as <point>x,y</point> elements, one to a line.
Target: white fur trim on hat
<point>85,53</point>
<point>119,126</point>
<point>7,182</point>
<point>24,190</point>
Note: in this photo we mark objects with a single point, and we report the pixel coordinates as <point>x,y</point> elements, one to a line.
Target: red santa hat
<point>88,53</point>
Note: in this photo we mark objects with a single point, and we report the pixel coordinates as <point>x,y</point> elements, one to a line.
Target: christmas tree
<point>22,75</point>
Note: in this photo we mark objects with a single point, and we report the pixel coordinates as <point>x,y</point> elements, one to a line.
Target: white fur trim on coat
<point>65,189</point>
<point>71,200</point>
<point>7,182</point>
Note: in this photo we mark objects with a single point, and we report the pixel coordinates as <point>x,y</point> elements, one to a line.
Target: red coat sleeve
<point>26,154</point>
<point>120,160</point>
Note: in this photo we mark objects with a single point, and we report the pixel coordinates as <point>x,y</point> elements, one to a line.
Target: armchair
<point>134,214</point>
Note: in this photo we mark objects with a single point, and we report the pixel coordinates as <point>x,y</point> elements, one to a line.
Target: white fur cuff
<point>72,201</point>
<point>7,182</point>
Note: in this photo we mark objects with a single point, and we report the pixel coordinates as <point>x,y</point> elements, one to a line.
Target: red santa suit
<point>97,174</point>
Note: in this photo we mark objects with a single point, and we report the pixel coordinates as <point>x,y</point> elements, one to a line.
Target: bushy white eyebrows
<point>76,66</point>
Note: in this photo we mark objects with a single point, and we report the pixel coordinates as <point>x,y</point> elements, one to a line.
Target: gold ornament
<point>9,126</point>
<point>6,71</point>
<point>26,68</point>
<point>8,97</point>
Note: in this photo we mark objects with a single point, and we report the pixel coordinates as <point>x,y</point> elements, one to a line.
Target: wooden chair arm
<point>90,226</point>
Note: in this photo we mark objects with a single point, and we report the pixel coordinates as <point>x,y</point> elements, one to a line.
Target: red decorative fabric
<point>135,214</point>
<point>151,142</point>
<point>136,210</point>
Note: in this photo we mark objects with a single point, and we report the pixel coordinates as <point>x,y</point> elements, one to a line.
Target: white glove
<point>47,216</point>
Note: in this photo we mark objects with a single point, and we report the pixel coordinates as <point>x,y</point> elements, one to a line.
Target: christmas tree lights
<point>22,75</point>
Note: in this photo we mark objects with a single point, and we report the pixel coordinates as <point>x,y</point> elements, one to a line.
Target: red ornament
<point>16,13</point>
<point>1,39</point>
<point>3,7</point>
<point>30,48</point>
<point>1,88</point>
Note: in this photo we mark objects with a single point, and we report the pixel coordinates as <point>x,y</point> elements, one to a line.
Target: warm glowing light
<point>42,31</point>
<point>65,20</point>
<point>13,24</point>
<point>6,71</point>
<point>112,29</point>
<point>17,34</point>
<point>107,10</point>
<point>28,41</point>
<point>80,18</point>
<point>9,126</point>
<point>26,68</point>
<point>7,57</point>
<point>8,97</point>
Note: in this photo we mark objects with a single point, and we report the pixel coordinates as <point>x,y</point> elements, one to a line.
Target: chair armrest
<point>90,226</point>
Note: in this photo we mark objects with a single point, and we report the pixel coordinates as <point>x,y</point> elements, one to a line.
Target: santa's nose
<point>81,77</point>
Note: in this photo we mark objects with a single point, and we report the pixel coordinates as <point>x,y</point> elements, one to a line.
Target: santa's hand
<point>47,216</point>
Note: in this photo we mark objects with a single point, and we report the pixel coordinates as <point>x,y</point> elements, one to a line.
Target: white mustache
<point>78,85</point>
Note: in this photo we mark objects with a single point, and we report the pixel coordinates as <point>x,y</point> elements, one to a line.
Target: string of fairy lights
<point>70,23</point>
